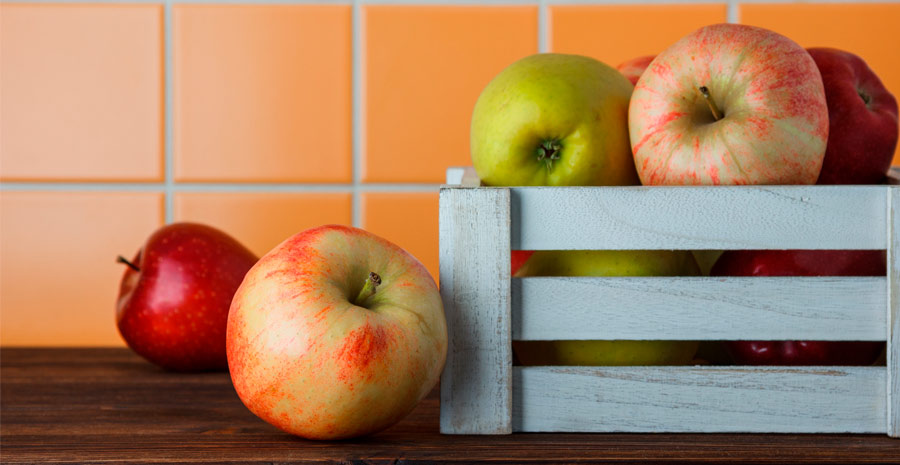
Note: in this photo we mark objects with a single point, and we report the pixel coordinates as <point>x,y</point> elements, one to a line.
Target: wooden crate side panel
<point>743,217</point>
<point>476,385</point>
<point>693,308</point>
<point>699,399</point>
<point>893,314</point>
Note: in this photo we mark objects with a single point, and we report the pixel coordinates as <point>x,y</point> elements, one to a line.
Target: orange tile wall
<point>265,119</point>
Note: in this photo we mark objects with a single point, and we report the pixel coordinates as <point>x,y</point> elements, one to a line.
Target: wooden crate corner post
<point>893,312</point>
<point>476,385</point>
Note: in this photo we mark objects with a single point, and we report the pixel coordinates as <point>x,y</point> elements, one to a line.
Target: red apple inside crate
<point>802,263</point>
<point>487,309</point>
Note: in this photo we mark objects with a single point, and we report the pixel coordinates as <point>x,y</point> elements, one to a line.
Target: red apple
<point>335,333</point>
<point>175,295</point>
<point>632,69</point>
<point>802,263</point>
<point>729,104</point>
<point>862,115</point>
<point>518,258</point>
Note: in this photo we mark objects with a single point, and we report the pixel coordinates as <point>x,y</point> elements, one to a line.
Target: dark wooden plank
<point>95,405</point>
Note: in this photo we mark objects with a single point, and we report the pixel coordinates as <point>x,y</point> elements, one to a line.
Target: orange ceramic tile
<point>59,279</point>
<point>262,93</point>
<point>616,33</point>
<point>263,220</point>
<point>425,67</point>
<point>409,220</point>
<point>865,29</point>
<point>82,92</point>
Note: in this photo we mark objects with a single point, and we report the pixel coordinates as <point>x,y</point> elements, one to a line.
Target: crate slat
<point>742,217</point>
<point>893,314</point>
<point>476,385</point>
<point>697,308</point>
<point>699,399</point>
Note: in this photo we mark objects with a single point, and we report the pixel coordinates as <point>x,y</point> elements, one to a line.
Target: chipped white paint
<point>699,399</point>
<point>697,308</point>
<point>476,386</point>
<point>720,218</point>
<point>893,314</point>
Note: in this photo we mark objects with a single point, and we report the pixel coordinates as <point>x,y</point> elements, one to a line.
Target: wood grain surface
<point>699,308</point>
<point>475,281</point>
<point>698,218</point>
<point>893,314</point>
<point>108,405</point>
<point>699,399</point>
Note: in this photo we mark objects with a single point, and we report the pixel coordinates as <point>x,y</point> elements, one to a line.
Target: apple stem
<point>368,289</point>
<point>864,96</point>
<point>704,91</point>
<point>134,267</point>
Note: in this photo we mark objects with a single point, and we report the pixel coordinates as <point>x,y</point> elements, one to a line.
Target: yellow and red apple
<point>729,104</point>
<point>335,333</point>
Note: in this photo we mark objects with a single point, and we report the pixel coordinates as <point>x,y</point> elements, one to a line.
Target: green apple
<point>554,120</point>
<point>607,263</point>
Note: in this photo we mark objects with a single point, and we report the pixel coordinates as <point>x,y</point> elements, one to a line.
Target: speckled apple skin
<point>775,124</point>
<point>310,362</point>
<point>175,310</point>
<point>635,67</point>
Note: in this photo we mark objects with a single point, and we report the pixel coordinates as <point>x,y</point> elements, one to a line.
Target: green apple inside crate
<point>483,393</point>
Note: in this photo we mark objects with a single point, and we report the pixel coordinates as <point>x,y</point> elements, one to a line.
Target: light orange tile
<point>425,67</point>
<point>617,33</point>
<point>865,29</point>
<point>82,92</point>
<point>263,220</point>
<point>409,220</point>
<point>262,93</point>
<point>59,279</point>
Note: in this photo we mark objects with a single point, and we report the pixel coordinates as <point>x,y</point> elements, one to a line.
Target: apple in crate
<point>729,104</point>
<point>802,263</point>
<point>553,120</point>
<point>175,295</point>
<point>607,263</point>
<point>635,67</point>
<point>518,258</point>
<point>335,333</point>
<point>862,116</point>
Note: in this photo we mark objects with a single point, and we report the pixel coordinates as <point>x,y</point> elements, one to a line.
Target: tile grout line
<point>356,96</point>
<point>733,15</point>
<point>212,187</point>
<point>543,32</point>
<point>167,111</point>
<point>438,2</point>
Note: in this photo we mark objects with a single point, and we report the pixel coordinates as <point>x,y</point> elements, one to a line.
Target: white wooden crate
<point>482,393</point>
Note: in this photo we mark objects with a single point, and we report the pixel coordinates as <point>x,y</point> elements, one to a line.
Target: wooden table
<point>93,405</point>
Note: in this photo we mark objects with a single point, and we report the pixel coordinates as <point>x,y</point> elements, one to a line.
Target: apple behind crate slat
<point>478,230</point>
